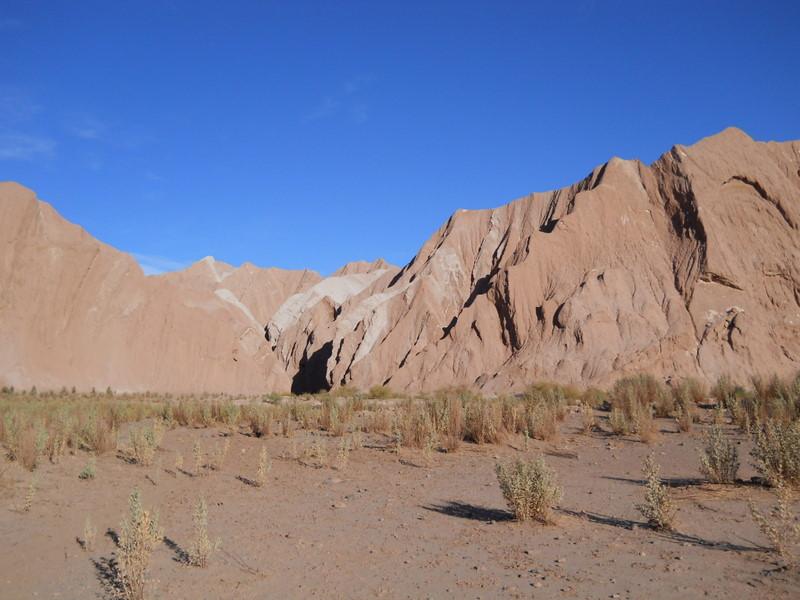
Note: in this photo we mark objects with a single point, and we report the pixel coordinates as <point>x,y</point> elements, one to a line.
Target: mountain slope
<point>74,311</point>
<point>690,266</point>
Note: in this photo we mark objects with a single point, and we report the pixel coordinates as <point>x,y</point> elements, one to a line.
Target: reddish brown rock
<point>690,266</point>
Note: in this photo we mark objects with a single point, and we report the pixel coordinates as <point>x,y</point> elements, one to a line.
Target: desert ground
<point>345,510</point>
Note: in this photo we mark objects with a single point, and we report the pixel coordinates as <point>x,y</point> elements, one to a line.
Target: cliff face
<point>74,311</point>
<point>690,266</point>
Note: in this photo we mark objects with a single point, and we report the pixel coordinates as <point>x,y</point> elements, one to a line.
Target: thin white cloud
<point>16,104</point>
<point>20,146</point>
<point>156,265</point>
<point>344,101</point>
<point>87,127</point>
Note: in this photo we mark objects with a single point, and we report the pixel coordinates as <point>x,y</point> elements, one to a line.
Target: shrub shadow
<point>673,536</point>
<point>181,555</point>
<point>474,512</point>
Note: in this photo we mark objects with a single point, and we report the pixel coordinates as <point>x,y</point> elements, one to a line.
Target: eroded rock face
<point>74,311</point>
<point>690,266</point>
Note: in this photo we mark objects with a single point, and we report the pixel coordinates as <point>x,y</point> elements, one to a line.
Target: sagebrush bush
<point>529,488</point>
<point>780,525</point>
<point>201,548</point>
<point>776,450</point>
<point>657,507</point>
<point>719,458</point>
<point>138,537</point>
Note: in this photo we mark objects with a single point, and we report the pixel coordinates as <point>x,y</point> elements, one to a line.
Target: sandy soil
<point>396,526</point>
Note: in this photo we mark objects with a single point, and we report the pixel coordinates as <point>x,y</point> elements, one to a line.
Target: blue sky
<point>299,134</point>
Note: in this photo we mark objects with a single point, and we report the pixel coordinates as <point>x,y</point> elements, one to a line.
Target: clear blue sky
<point>300,134</point>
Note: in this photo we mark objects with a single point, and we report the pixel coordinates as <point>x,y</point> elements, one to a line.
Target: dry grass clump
<point>769,399</point>
<point>90,470</point>
<point>201,548</point>
<point>630,394</point>
<point>381,392</point>
<point>139,535</point>
<point>776,450</point>
<point>719,459</point>
<point>657,507</point>
<point>145,441</point>
<point>89,535</point>
<point>780,525</point>
<point>264,467</point>
<point>219,453</point>
<point>260,420</point>
<point>197,455</point>
<point>529,488</point>
<point>483,421</point>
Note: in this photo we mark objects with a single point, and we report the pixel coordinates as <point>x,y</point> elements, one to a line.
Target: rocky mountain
<point>687,266</point>
<point>76,312</point>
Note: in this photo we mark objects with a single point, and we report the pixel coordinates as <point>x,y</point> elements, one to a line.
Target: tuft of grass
<point>529,488</point>
<point>264,467</point>
<point>381,392</point>
<point>90,470</point>
<point>201,548</point>
<point>719,459</point>
<point>140,532</point>
<point>219,453</point>
<point>89,534</point>
<point>780,525</point>
<point>30,495</point>
<point>197,454</point>
<point>657,507</point>
<point>482,422</point>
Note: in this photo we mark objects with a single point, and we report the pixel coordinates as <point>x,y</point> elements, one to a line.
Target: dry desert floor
<point>393,523</point>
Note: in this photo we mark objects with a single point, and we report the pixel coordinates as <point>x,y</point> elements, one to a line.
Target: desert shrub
<point>201,548</point>
<point>684,417</point>
<point>594,397</point>
<point>482,421</point>
<point>657,507</point>
<point>264,467</point>
<point>644,425</point>
<point>381,392</point>
<point>780,525</point>
<point>145,440</point>
<point>541,421</point>
<point>218,454</point>
<point>90,470</point>
<point>453,424</point>
<point>630,394</point>
<point>414,424</point>
<point>689,391</point>
<point>719,459</point>
<point>89,535</point>
<point>139,535</point>
<point>379,421</point>
<point>776,450</point>
<point>197,455</point>
<point>529,488</point>
<point>332,416</point>
<point>619,423</point>
<point>259,419</point>
<point>588,423</point>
